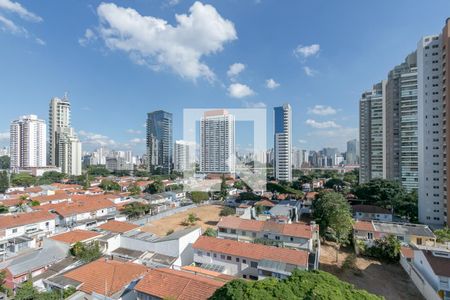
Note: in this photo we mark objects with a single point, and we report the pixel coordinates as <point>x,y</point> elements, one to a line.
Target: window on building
<point>253,234</point>
<point>228,257</point>
<point>14,230</point>
<point>254,264</point>
<point>222,256</point>
<point>233,231</point>
<point>237,259</point>
<point>244,233</point>
<point>277,237</point>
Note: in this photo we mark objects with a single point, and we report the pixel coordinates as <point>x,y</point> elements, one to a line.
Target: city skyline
<point>307,52</point>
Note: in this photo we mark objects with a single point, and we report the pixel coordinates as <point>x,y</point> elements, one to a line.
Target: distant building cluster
<point>30,151</point>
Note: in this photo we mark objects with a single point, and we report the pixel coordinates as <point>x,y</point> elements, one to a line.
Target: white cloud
<point>322,125</point>
<point>157,44</point>
<point>272,84</point>
<point>8,25</point>
<point>89,35</point>
<point>301,141</point>
<point>238,90</point>
<point>248,104</point>
<point>4,136</point>
<point>96,139</point>
<point>322,110</point>
<point>306,51</point>
<point>309,72</point>
<point>235,69</point>
<point>133,131</point>
<point>17,8</point>
<point>137,141</point>
<point>40,41</point>
<point>172,2</point>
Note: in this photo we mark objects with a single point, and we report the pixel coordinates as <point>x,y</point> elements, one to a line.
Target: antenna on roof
<point>66,95</point>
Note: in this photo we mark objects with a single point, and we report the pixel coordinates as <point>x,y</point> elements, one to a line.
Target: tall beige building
<point>64,147</point>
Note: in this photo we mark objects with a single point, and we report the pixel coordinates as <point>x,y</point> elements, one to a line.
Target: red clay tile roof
<point>106,277</point>
<point>264,203</point>
<point>311,195</point>
<point>370,209</point>
<point>48,198</point>
<point>11,221</point>
<point>12,202</point>
<point>252,251</point>
<point>117,226</point>
<point>75,236</point>
<point>64,186</point>
<point>407,252</point>
<point>180,285</point>
<point>294,229</point>
<point>89,204</point>
<point>363,225</point>
<point>440,265</point>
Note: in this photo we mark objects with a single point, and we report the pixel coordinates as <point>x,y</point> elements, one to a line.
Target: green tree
<point>386,248</point>
<point>333,214</point>
<point>23,179</point>
<point>99,170</point>
<point>210,232</point>
<point>86,252</point>
<point>308,285</point>
<point>170,231</point>
<point>5,162</point>
<point>223,188</point>
<point>249,196</point>
<point>198,197</point>
<point>442,235</point>
<point>109,185</point>
<point>135,210</point>
<point>35,203</point>
<point>4,181</point>
<point>50,177</point>
<point>26,291</point>
<point>192,218</point>
<point>334,182</point>
<point>227,211</point>
<point>155,187</point>
<point>134,190</point>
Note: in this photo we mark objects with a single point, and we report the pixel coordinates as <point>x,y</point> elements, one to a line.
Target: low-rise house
<point>51,199</point>
<point>371,212</point>
<point>368,231</point>
<point>177,245</point>
<point>294,235</point>
<point>117,226</point>
<point>24,267</point>
<point>429,269</point>
<point>24,230</point>
<point>76,236</point>
<point>246,260</point>
<point>102,279</point>
<point>287,208</point>
<point>85,213</point>
<point>173,284</point>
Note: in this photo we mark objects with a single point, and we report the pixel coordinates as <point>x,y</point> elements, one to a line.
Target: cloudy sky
<point>118,60</point>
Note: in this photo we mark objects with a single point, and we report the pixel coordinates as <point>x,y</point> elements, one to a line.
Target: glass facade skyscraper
<point>159,142</point>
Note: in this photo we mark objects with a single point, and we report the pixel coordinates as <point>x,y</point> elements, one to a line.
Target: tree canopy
<point>317,285</point>
<point>4,181</point>
<point>5,162</point>
<point>50,177</point>
<point>332,213</point>
<point>86,252</point>
<point>390,195</point>
<point>198,197</point>
<point>109,185</point>
<point>23,179</point>
<point>155,187</point>
<point>442,235</point>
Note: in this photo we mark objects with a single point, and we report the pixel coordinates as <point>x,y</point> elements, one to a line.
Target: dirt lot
<point>208,214</point>
<point>388,280</point>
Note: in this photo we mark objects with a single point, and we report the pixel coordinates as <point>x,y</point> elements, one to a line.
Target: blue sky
<point>121,59</point>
